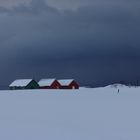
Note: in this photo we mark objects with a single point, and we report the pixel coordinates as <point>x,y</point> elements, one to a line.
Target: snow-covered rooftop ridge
<point>46,82</point>
<point>65,82</point>
<point>20,82</point>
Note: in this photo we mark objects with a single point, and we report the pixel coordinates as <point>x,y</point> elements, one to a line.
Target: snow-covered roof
<point>20,83</point>
<point>46,82</point>
<point>65,82</point>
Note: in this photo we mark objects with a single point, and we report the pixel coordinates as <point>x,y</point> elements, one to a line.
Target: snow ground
<point>85,114</point>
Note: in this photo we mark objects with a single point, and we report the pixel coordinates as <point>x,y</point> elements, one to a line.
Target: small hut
<point>49,84</point>
<point>24,84</point>
<point>68,84</point>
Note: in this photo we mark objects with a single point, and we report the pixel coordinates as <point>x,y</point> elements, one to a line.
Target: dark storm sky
<point>96,42</point>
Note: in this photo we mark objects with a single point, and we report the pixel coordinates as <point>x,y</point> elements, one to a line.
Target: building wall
<point>16,88</point>
<point>75,85</point>
<point>32,85</point>
<point>72,85</point>
<point>55,85</point>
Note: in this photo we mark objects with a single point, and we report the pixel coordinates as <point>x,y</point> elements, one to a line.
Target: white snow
<point>84,114</point>
<point>20,82</point>
<point>117,85</point>
<point>46,82</point>
<point>65,82</point>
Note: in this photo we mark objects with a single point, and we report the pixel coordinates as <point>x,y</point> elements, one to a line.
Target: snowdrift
<point>85,114</point>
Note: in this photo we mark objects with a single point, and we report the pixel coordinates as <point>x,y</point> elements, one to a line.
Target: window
<point>73,87</point>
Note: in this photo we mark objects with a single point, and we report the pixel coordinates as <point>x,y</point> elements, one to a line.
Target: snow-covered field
<point>85,114</point>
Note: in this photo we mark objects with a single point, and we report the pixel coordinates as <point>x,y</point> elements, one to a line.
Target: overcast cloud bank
<point>97,43</point>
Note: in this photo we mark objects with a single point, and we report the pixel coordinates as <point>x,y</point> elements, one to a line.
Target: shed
<point>49,84</point>
<point>24,84</point>
<point>68,84</point>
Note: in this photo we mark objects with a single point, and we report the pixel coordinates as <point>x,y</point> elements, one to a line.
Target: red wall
<point>73,84</point>
<point>55,85</point>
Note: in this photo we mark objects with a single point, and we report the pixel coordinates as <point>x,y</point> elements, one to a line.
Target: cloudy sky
<point>96,42</point>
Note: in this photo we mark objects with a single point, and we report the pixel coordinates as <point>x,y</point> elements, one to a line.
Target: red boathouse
<point>68,84</point>
<point>49,84</point>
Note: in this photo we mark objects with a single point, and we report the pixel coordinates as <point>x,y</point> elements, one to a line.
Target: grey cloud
<point>11,3</point>
<point>39,40</point>
<point>74,4</point>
